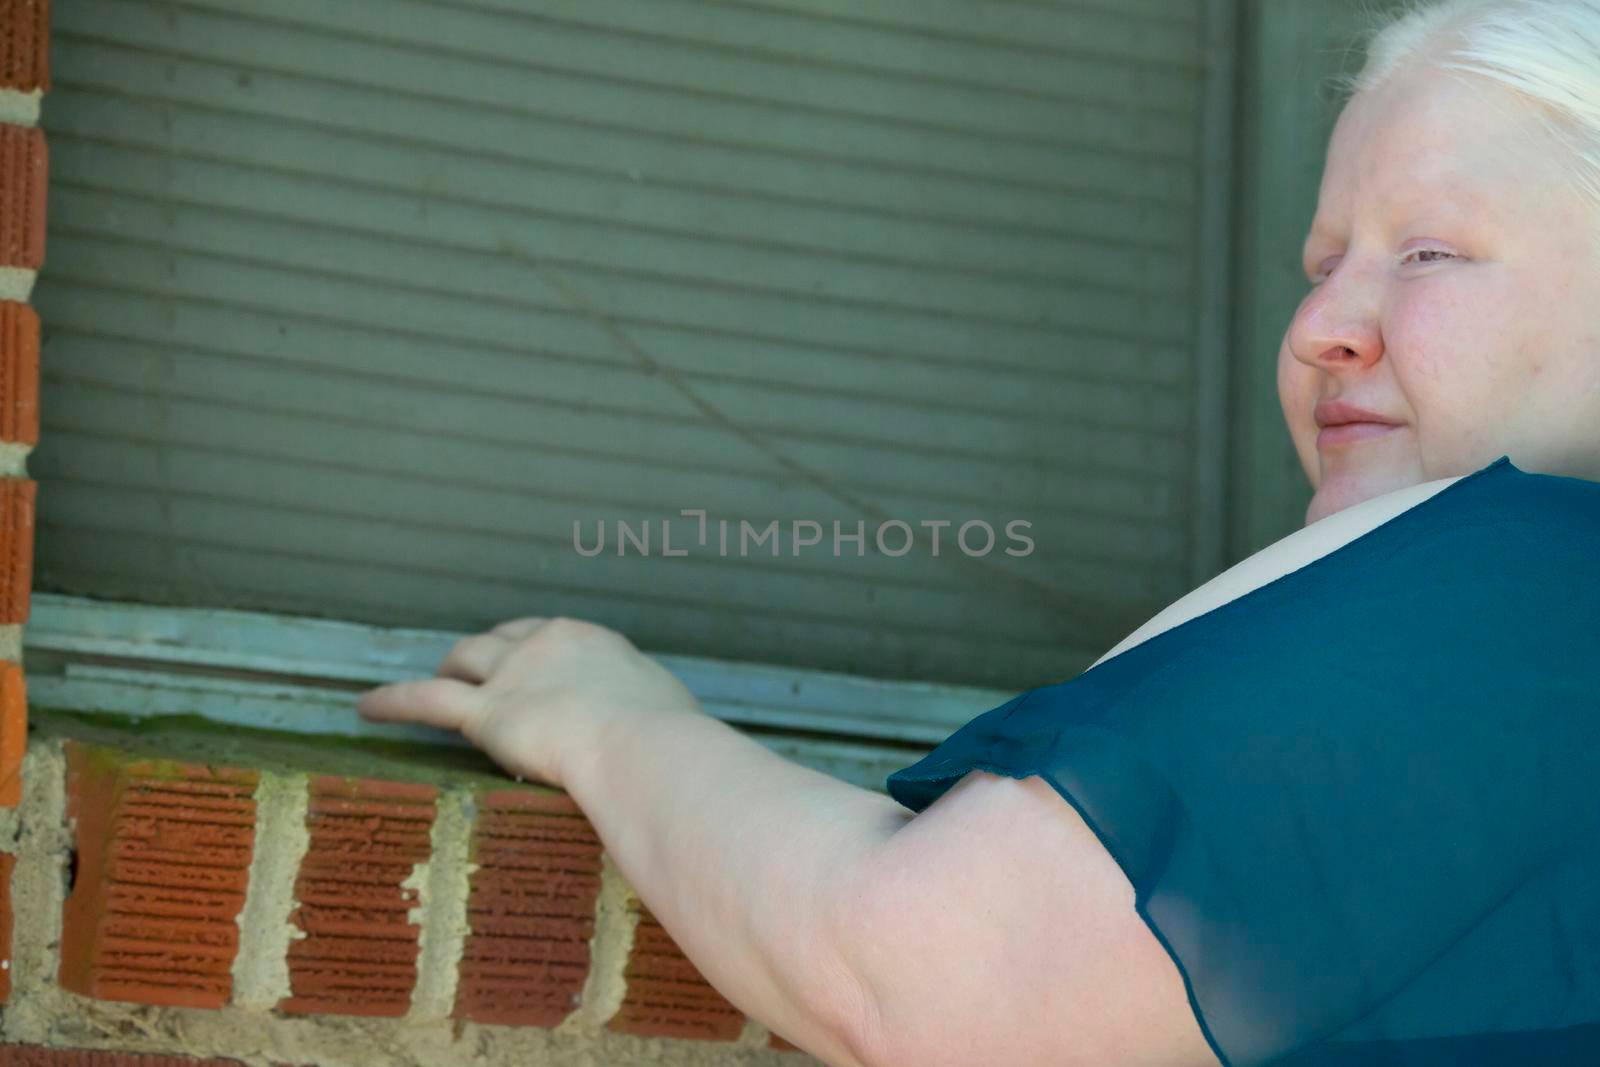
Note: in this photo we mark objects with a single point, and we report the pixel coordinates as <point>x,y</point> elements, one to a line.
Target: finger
<point>442,702</point>
<point>517,629</point>
<point>472,659</point>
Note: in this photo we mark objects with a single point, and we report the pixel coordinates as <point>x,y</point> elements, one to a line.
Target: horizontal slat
<point>962,83</point>
<point>518,282</point>
<point>445,228</point>
<point>174,571</point>
<point>543,523</point>
<point>1073,579</point>
<point>94,384</point>
<point>793,63</point>
<point>99,307</point>
<point>950,41</point>
<point>1042,22</point>
<point>234,284</point>
<point>829,591</point>
<point>622,164</point>
<point>745,412</point>
<point>542,572</point>
<point>199,154</point>
<point>644,110</point>
<point>668,463</point>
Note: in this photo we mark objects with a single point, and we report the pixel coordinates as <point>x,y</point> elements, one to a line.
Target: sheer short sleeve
<point>1359,805</point>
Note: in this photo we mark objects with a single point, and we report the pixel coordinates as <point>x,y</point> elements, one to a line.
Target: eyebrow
<point>1454,198</point>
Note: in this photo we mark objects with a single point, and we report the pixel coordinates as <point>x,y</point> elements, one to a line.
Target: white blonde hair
<point>1546,51</point>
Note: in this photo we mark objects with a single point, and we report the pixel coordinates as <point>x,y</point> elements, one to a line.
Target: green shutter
<point>352,310</point>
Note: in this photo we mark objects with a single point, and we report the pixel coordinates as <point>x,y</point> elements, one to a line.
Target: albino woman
<point>1335,807</point>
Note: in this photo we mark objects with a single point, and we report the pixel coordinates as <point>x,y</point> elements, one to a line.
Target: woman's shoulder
<point>1287,554</point>
<point>1538,521</point>
<point>1564,510</point>
<point>1514,493</point>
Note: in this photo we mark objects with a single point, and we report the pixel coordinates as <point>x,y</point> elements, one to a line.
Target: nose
<point>1336,326</point>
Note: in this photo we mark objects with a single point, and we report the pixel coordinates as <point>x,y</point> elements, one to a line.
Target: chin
<point>1321,508</point>
<point>1344,485</point>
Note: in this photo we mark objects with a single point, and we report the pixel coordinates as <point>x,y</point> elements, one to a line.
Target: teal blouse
<point>1358,804</point>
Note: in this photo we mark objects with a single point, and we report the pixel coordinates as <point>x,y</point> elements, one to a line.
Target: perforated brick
<point>19,373</point>
<point>531,909</point>
<point>16,548</point>
<point>13,732</point>
<point>25,45</point>
<point>24,165</point>
<point>667,996</point>
<point>359,955</point>
<point>161,865</point>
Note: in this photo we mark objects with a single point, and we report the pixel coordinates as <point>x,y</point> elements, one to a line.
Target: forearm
<point>738,852</point>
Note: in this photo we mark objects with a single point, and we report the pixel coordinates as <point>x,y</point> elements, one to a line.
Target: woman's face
<point>1455,275</point>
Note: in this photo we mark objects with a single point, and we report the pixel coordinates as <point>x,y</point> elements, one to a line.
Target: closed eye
<point>1439,255</point>
<point>1427,252</point>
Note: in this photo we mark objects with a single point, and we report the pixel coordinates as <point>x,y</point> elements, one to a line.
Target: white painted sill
<point>302,675</point>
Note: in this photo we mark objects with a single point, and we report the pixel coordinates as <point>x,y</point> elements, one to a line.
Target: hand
<point>534,693</point>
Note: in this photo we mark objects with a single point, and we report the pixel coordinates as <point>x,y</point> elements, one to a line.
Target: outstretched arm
<point>738,852</point>
<point>993,927</point>
<point>741,855</point>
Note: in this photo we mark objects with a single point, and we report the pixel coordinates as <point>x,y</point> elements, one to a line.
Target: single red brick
<point>19,373</point>
<point>530,912</point>
<point>24,166</point>
<point>13,732</point>
<point>162,864</point>
<point>36,1056</point>
<point>8,863</point>
<point>667,996</point>
<point>16,548</point>
<point>25,45</point>
<point>359,955</point>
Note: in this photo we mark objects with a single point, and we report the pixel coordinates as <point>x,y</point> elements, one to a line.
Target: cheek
<point>1464,345</point>
<point>1561,359</point>
<point>1452,339</point>
<point>1428,341</point>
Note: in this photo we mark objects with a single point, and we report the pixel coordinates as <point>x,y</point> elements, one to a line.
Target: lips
<point>1349,432</point>
<point>1338,412</point>
<point>1344,423</point>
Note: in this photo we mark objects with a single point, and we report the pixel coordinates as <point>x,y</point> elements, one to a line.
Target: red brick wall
<point>24,73</point>
<point>24,69</point>
<point>163,861</point>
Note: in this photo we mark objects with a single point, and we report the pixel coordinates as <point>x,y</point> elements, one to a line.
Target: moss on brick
<point>191,739</point>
